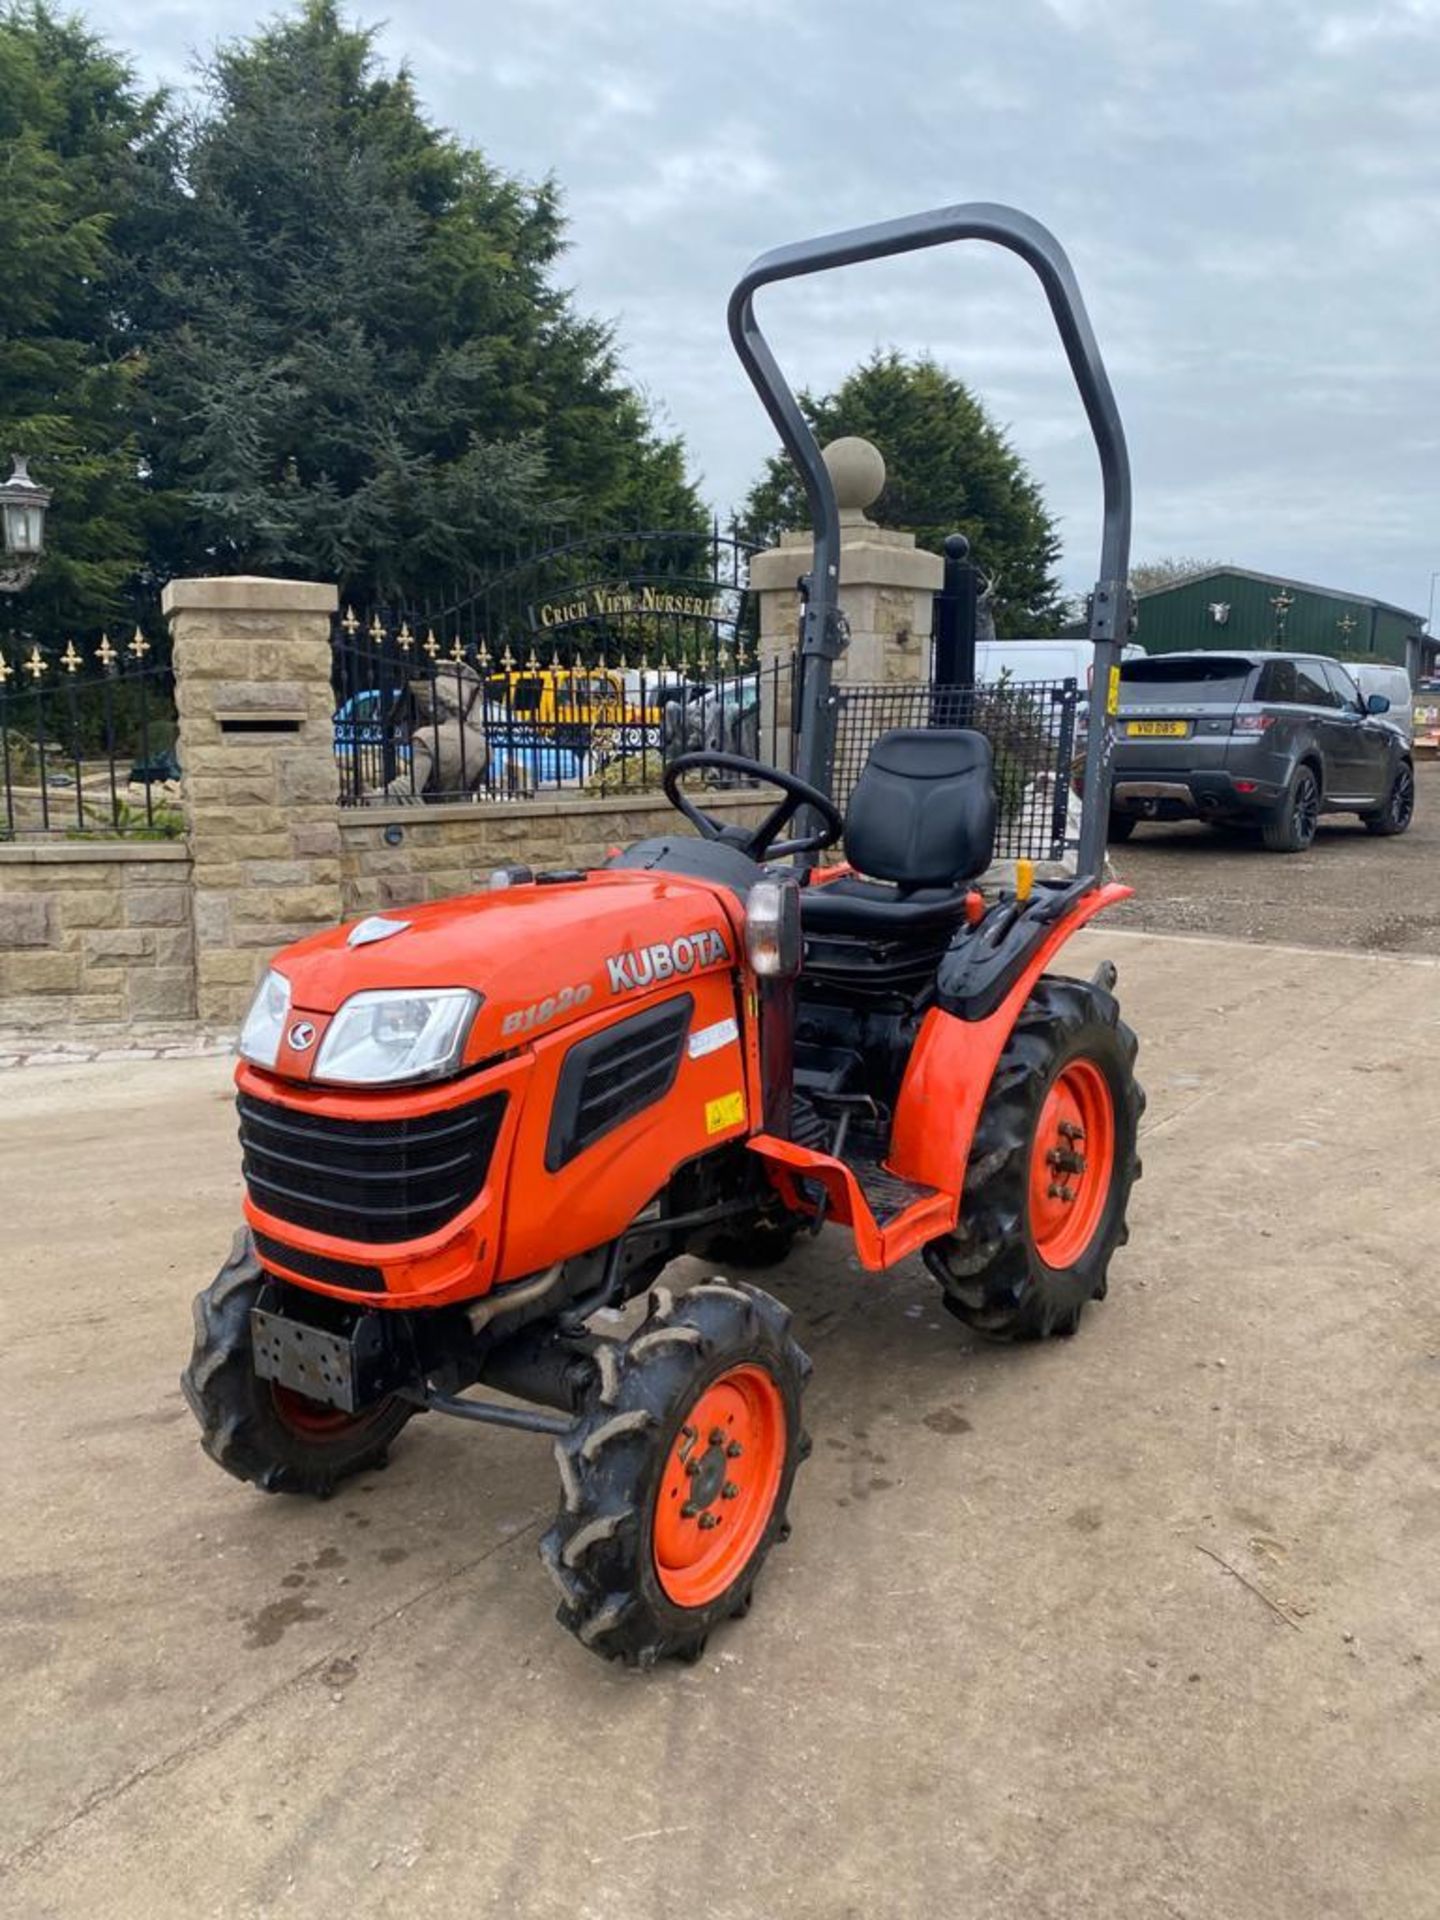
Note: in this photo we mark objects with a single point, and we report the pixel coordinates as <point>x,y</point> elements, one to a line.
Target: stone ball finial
<point>857,472</point>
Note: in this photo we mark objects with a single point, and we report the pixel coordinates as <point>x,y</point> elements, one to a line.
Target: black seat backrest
<point>923,810</point>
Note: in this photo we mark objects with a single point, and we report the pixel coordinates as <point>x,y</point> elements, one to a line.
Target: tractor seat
<point>919,826</point>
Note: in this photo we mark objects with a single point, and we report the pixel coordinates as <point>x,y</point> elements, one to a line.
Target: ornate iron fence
<point>589,665</point>
<point>672,593</point>
<point>87,739</point>
<point>418,721</point>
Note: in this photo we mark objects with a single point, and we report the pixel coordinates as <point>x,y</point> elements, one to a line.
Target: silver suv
<point>1269,739</point>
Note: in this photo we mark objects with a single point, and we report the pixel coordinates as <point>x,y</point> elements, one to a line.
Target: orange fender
<point>953,1063</point>
<point>950,1070</point>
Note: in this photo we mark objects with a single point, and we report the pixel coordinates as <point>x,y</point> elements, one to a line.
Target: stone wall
<point>96,933</point>
<point>446,850</point>
<point>104,934</point>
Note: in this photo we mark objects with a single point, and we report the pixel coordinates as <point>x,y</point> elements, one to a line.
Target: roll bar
<point>821,638</point>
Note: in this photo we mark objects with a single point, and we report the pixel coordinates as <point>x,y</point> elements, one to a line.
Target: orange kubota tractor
<point>469,1127</point>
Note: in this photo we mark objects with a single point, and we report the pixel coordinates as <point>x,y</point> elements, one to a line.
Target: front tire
<point>1399,808</point>
<point>1291,828</point>
<point>1048,1182</point>
<point>257,1431</point>
<point>675,1480</point>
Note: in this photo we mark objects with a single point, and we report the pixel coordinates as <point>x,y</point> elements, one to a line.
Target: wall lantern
<point>23,505</point>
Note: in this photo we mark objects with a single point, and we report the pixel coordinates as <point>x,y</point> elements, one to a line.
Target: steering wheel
<point>760,843</point>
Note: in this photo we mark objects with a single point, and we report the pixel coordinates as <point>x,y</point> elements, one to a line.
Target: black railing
<point>671,593</point>
<point>87,740</point>
<point>1031,727</point>
<point>418,721</point>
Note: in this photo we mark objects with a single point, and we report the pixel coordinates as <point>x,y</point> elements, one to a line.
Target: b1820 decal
<point>524,1019</point>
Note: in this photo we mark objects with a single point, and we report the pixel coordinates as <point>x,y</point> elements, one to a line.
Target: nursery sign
<point>693,601</point>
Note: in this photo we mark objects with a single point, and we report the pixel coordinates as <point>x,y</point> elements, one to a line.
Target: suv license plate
<point>1156,729</point>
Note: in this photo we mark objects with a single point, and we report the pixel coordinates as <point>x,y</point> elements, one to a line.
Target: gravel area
<point>1135,1626</point>
<point>1350,891</point>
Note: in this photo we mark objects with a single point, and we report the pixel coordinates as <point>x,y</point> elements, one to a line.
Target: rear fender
<point>951,1066</point>
<point>953,1062</point>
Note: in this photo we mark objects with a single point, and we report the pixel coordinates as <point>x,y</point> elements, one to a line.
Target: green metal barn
<point>1233,607</point>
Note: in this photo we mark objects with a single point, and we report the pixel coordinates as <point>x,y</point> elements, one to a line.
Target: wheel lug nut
<point>717,1436</point>
<point>734,1450</point>
<point>689,1510</point>
<point>729,1491</point>
<point>708,1521</point>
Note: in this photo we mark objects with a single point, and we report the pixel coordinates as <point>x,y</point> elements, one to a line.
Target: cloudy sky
<point>1249,190</point>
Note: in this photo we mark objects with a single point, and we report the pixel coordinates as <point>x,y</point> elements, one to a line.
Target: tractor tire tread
<point>239,1428</point>
<point>992,1279</point>
<point>598,1549</point>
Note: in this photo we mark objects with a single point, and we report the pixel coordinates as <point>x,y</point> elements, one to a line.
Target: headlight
<point>772,928</point>
<point>378,1039</point>
<point>265,1022</point>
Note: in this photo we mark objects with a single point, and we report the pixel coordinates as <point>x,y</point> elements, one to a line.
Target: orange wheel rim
<point>312,1419</point>
<point>719,1486</point>
<point>1072,1163</point>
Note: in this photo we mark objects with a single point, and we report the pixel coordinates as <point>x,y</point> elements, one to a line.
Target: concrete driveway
<point>1138,1624</point>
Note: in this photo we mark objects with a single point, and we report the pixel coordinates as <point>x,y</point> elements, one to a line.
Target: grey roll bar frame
<point>821,633</point>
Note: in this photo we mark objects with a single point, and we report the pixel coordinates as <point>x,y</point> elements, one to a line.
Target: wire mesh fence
<point>87,740</point>
<point>1031,727</point>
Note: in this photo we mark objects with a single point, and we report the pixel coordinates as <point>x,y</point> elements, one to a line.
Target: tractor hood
<point>541,955</point>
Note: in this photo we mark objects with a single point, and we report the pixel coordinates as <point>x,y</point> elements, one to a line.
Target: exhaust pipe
<point>519,1293</point>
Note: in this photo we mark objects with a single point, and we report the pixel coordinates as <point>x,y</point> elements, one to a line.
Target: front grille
<point>614,1075</point>
<point>376,1181</point>
<point>320,1266</point>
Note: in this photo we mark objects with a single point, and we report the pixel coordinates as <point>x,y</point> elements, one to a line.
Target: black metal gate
<point>587,664</point>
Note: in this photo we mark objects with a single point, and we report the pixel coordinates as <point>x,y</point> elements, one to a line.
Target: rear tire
<point>666,1517</point>
<point>1399,808</point>
<point>1121,826</point>
<point>1021,1264</point>
<point>280,1441</point>
<point>1291,828</point>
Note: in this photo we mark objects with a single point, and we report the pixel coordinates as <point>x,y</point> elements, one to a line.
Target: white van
<point>1041,660</point>
<point>1394,683</point>
<point>1046,660</point>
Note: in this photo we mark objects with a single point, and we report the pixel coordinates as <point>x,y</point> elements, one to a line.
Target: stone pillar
<point>252,688</point>
<point>887,591</point>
